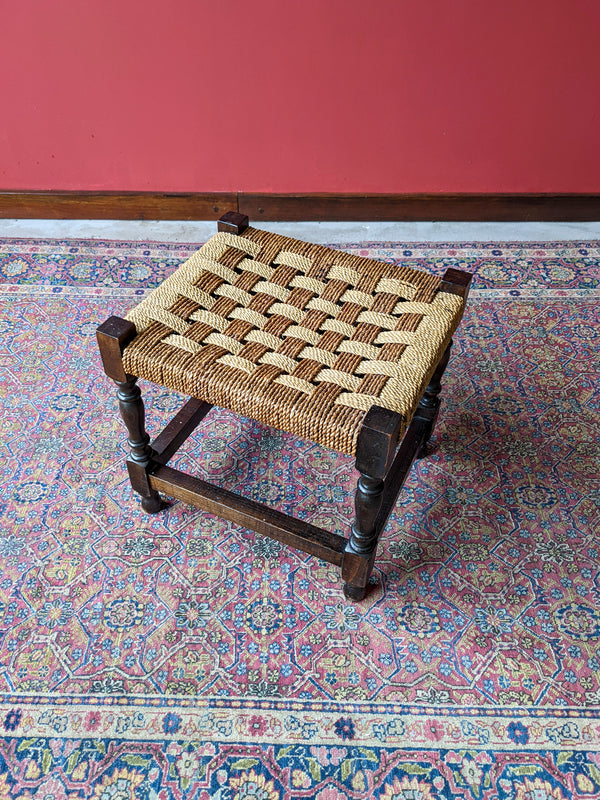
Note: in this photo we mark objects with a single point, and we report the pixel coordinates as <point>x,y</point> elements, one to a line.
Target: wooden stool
<point>342,350</point>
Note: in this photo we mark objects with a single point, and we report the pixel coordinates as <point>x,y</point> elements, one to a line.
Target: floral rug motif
<point>179,656</point>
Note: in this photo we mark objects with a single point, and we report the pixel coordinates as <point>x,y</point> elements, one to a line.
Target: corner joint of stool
<point>457,281</point>
<point>233,222</point>
<point>377,441</point>
<point>113,336</point>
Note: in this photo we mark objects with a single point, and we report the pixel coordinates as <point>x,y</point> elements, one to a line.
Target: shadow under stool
<point>342,350</point>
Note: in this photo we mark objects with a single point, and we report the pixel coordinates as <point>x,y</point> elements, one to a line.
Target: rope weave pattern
<point>297,336</point>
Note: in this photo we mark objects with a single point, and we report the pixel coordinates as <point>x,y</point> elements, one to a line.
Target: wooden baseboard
<point>115,205</point>
<point>411,208</point>
<point>297,207</point>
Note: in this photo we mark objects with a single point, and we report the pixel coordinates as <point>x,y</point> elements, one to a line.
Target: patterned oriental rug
<point>178,656</point>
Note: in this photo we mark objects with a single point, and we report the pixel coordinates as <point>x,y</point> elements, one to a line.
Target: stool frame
<point>381,459</point>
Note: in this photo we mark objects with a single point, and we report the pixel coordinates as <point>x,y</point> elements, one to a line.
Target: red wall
<point>300,95</point>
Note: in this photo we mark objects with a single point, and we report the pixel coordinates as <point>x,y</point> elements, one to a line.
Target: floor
<point>318,232</point>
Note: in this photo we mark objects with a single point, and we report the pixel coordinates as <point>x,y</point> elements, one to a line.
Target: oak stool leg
<point>362,544</point>
<point>454,281</point>
<point>429,407</point>
<point>375,451</point>
<point>113,336</point>
<point>132,411</point>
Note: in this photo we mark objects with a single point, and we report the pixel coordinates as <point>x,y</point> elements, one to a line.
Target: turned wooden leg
<point>362,544</point>
<point>132,410</point>
<point>375,450</point>
<point>113,336</point>
<point>429,407</point>
<point>457,282</point>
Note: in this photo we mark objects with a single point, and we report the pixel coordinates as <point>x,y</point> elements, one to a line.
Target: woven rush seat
<point>300,337</point>
<point>342,350</point>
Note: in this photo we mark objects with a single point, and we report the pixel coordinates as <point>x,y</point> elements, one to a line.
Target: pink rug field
<point>178,656</point>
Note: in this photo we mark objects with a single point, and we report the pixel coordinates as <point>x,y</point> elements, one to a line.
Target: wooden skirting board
<point>297,207</point>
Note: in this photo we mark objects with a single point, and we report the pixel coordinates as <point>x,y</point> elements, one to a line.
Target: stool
<point>344,351</point>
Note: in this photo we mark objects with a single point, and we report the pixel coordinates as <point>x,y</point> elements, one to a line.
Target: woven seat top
<point>295,335</point>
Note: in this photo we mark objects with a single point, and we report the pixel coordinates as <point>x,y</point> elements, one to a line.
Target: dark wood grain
<point>168,442</point>
<point>116,205</point>
<point>377,441</point>
<point>414,207</point>
<point>139,462</point>
<point>457,281</point>
<point>113,336</point>
<point>375,449</point>
<point>297,207</point>
<point>254,516</point>
<point>398,472</point>
<point>233,222</point>
<point>357,566</point>
<point>356,571</point>
<point>429,405</point>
